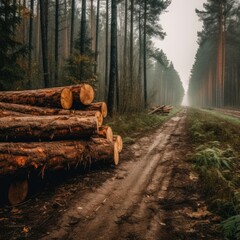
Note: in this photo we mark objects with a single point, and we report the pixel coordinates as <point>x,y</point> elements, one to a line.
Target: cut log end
<point>116,154</point>
<point>86,94</point>
<point>99,117</point>
<point>104,109</point>
<point>105,132</point>
<point>66,98</point>
<point>18,191</point>
<point>118,140</point>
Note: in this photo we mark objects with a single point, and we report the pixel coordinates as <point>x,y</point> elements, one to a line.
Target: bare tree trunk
<point>97,34</point>
<point>56,39</point>
<point>113,58</point>
<point>145,53</point>
<point>44,41</point>
<point>72,26</point>
<point>30,43</point>
<point>106,51</point>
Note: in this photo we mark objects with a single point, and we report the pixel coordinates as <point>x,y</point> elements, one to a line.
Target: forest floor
<point>153,194</point>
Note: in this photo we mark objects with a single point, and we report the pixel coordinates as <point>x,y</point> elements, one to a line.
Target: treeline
<point>45,43</point>
<point>215,77</point>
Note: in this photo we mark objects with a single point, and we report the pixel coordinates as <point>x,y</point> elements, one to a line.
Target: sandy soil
<point>152,194</point>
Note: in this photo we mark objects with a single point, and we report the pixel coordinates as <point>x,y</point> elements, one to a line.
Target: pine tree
<point>10,49</point>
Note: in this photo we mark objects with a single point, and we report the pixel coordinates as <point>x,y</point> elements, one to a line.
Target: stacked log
<point>163,109</point>
<point>55,128</point>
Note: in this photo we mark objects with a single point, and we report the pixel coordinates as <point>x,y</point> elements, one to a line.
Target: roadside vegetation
<point>132,125</point>
<point>216,157</point>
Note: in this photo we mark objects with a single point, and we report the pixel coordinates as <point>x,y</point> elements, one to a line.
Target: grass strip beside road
<point>131,126</point>
<point>215,139</point>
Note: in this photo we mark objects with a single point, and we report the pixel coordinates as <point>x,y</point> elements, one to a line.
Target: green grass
<point>131,126</point>
<point>215,139</point>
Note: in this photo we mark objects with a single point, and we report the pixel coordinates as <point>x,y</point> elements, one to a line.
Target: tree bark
<point>72,26</point>
<point>38,128</point>
<point>145,54</point>
<point>56,39</point>
<point>96,40</point>
<point>83,28</point>
<point>6,113</point>
<point>106,49</point>
<point>43,20</point>
<point>20,157</point>
<point>51,97</point>
<point>11,109</point>
<point>97,106</point>
<point>30,43</point>
<point>113,59</point>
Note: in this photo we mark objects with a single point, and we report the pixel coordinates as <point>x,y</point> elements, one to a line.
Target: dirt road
<point>153,194</point>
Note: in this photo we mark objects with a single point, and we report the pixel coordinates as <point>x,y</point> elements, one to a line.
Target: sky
<point>181,24</point>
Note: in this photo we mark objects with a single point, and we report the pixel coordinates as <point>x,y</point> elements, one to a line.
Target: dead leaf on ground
<point>201,213</point>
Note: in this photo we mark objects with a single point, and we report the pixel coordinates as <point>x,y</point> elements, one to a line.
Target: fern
<point>231,228</point>
<point>212,158</point>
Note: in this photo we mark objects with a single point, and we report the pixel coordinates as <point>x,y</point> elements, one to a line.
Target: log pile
<point>55,128</point>
<point>161,109</point>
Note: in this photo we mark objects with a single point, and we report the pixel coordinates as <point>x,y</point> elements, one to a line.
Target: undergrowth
<point>216,158</point>
<point>131,126</point>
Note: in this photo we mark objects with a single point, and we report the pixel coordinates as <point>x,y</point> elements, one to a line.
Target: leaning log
<point>97,106</point>
<point>23,157</point>
<point>46,128</point>
<point>16,110</point>
<point>59,97</point>
<point>83,94</point>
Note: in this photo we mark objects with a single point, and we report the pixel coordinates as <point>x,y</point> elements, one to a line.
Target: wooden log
<point>21,157</point>
<point>100,148</point>
<point>83,94</point>
<point>19,109</point>
<point>46,128</point>
<point>118,139</point>
<point>60,97</point>
<point>105,132</point>
<point>18,191</point>
<point>6,113</point>
<point>97,106</point>
<point>157,109</point>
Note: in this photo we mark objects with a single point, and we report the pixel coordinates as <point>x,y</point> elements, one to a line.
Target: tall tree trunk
<point>72,26</point>
<point>92,25</point>
<point>96,40</point>
<point>44,42</point>
<point>30,43</point>
<point>106,50</point>
<point>131,48</point>
<point>145,54</point>
<point>56,39</point>
<point>83,28</point>
<point>113,58</point>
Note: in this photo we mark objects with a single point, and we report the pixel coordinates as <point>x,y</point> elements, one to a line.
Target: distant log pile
<point>40,130</point>
<point>163,109</point>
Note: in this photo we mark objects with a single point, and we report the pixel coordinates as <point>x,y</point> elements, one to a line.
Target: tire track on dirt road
<point>127,206</point>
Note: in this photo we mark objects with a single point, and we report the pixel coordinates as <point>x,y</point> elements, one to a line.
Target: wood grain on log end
<point>18,191</point>
<point>105,132</point>
<point>86,94</point>
<point>99,117</point>
<point>118,139</point>
<point>104,109</point>
<point>116,154</point>
<point>66,98</point>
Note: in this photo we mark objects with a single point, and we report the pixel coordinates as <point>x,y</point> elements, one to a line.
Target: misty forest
<point>95,142</point>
